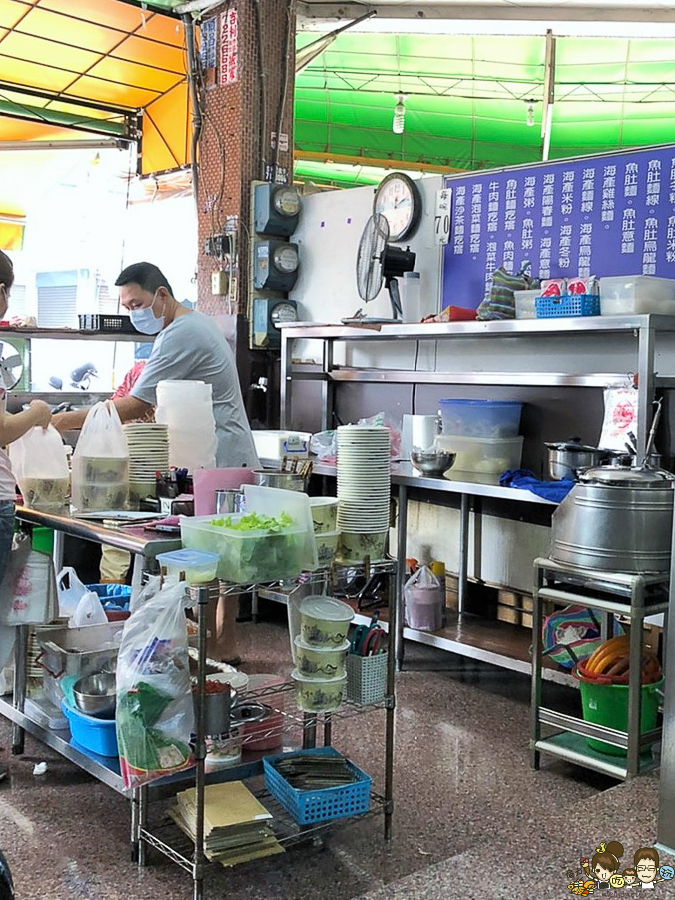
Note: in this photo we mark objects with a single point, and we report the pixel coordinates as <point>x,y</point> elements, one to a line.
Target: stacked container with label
<point>483,434</point>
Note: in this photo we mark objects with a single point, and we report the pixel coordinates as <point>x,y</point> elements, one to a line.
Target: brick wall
<point>230,151</point>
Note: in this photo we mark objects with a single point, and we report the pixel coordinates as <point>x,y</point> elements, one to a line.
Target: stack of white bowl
<point>364,491</point>
<point>148,445</point>
<point>186,407</point>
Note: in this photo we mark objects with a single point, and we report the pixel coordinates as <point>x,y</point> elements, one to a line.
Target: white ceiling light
<point>398,124</point>
<point>530,113</point>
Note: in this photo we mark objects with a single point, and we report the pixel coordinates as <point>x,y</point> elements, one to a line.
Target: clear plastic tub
<point>480,418</point>
<point>625,295</point>
<point>248,556</point>
<point>482,455</point>
<point>198,565</point>
<point>524,303</point>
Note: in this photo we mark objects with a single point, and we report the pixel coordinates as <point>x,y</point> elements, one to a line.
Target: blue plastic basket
<point>568,305</point>
<point>112,596</point>
<point>308,807</point>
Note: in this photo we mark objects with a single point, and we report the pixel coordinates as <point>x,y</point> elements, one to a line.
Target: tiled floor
<point>471,818</point>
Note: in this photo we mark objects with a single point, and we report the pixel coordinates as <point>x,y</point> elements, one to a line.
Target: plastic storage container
<point>321,805</point>
<point>248,556</point>
<point>482,455</point>
<point>567,306</point>
<point>480,418</point>
<point>524,302</point>
<point>277,444</point>
<point>198,565</point>
<point>318,694</point>
<point>625,295</point>
<point>324,621</point>
<point>319,662</point>
<point>326,547</point>
<point>97,735</point>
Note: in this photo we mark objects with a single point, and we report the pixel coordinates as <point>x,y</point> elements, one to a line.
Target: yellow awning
<point>95,67</point>
<point>11,234</point>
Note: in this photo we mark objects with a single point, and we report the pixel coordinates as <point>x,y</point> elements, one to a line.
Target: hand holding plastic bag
<point>155,713</point>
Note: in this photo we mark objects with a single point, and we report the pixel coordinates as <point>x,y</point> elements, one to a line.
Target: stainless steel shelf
<point>417,376</point>
<point>404,473</point>
<point>437,331</point>
<point>66,334</point>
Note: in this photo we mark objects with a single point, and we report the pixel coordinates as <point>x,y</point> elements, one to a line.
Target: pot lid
<point>573,444</point>
<point>626,476</point>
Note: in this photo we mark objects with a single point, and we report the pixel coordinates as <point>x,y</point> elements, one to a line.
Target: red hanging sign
<point>229,41</point>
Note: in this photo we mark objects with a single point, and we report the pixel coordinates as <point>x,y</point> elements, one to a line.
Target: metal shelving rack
<point>169,840</point>
<point>643,346</point>
<point>631,596</point>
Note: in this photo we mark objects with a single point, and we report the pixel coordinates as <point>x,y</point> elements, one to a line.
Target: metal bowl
<point>432,462</point>
<point>287,481</point>
<point>95,695</point>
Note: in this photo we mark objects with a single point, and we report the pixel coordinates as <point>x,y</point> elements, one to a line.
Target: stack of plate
<point>364,489</point>
<point>148,453</point>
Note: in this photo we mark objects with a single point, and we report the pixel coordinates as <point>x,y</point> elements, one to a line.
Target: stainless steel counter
<point>132,538</point>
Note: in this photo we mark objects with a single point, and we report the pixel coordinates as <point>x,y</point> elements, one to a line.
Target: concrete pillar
<point>233,149</point>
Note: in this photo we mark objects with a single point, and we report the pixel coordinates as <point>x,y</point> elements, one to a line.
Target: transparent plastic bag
<point>424,601</point>
<point>40,466</point>
<point>382,418</point>
<point>155,713</point>
<point>101,461</point>
<point>28,586</point>
<point>324,445</point>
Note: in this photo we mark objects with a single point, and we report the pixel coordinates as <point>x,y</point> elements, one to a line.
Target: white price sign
<point>442,216</point>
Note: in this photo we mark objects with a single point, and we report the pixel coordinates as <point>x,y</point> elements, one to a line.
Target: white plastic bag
<point>40,466</point>
<point>71,591</point>
<point>28,595</point>
<point>89,611</point>
<point>155,713</point>
<point>621,415</point>
<point>101,461</point>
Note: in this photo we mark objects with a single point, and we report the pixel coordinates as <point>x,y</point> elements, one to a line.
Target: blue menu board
<point>600,215</point>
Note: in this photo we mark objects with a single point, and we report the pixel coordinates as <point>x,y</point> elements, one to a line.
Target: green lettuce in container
<point>258,547</point>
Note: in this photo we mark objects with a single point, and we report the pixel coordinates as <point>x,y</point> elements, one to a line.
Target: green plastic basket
<point>607,704</point>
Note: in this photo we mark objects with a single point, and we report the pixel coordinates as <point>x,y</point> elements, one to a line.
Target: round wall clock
<point>398,199</point>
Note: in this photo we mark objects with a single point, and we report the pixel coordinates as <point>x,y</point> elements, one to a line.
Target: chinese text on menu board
<point>609,215</point>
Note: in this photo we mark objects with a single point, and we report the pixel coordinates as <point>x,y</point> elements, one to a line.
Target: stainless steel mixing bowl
<point>432,462</point>
<point>95,695</point>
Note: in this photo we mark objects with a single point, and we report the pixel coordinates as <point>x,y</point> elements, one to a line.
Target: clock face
<point>286,259</point>
<point>398,199</point>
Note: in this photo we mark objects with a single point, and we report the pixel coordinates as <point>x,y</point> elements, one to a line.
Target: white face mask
<point>145,321</point>
<point>4,300</point>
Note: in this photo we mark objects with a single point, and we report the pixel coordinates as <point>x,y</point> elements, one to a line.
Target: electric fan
<point>379,261</point>
<point>11,366</point>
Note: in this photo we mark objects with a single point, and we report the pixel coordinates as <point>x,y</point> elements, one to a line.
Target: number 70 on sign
<point>442,215</point>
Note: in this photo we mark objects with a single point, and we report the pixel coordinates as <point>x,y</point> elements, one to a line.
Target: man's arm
<point>128,408</point>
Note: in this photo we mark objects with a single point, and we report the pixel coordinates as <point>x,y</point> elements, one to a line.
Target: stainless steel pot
<point>287,481</point>
<point>567,458</point>
<point>616,519</point>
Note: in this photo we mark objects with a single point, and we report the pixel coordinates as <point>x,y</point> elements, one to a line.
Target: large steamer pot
<point>567,458</point>
<point>616,519</point>
<point>287,481</point>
